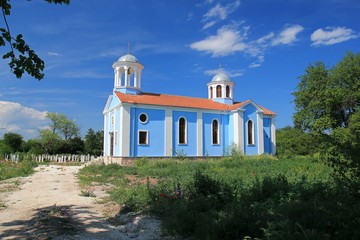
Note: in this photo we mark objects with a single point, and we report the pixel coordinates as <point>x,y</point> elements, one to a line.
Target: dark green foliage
<point>33,146</point>
<point>94,142</point>
<point>328,103</point>
<point>72,146</point>
<point>293,141</point>
<point>22,57</point>
<point>229,198</point>
<point>327,97</point>
<point>13,142</point>
<point>272,208</point>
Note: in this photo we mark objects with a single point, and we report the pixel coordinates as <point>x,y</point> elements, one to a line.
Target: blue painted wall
<point>190,148</point>
<point>250,113</point>
<point>209,148</point>
<point>267,135</point>
<point>226,135</point>
<point>156,132</point>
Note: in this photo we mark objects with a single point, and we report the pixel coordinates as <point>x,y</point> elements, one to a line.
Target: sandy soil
<point>48,205</point>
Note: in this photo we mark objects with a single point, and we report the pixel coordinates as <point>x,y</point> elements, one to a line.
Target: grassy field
<point>10,169</point>
<point>235,197</point>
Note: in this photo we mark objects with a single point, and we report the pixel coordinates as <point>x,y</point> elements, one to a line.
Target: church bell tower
<point>127,71</point>
<point>221,88</point>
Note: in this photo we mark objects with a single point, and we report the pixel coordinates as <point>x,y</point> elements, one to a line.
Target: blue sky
<point>263,45</point>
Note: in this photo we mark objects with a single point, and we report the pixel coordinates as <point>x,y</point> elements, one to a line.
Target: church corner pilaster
<point>260,131</point>
<point>168,133</point>
<point>199,130</point>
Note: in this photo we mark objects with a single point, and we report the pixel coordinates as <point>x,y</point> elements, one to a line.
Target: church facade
<point>138,124</point>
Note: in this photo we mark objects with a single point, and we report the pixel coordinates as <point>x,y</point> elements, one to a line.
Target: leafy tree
<point>328,102</point>
<point>293,141</point>
<point>33,146</point>
<point>327,97</point>
<point>13,141</point>
<point>94,142</point>
<point>22,57</point>
<point>49,141</point>
<point>72,146</point>
<point>62,125</point>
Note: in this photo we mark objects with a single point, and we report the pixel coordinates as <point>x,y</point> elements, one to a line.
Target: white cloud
<point>332,35</point>
<point>233,38</point>
<point>219,13</point>
<point>22,120</point>
<point>54,54</point>
<point>226,41</point>
<point>208,25</point>
<point>288,35</point>
<point>233,73</point>
<point>259,61</point>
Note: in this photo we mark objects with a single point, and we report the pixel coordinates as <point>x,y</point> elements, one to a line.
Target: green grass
<point>235,197</point>
<point>9,169</point>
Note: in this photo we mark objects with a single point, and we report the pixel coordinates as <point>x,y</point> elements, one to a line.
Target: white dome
<point>221,77</point>
<point>128,58</point>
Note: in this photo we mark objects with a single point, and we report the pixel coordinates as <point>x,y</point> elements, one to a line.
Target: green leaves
<point>327,97</point>
<point>22,57</point>
<point>26,61</point>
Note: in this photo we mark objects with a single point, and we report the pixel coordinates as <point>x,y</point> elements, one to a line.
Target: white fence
<point>62,158</point>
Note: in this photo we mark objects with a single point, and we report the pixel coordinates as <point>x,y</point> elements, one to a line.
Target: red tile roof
<point>181,101</point>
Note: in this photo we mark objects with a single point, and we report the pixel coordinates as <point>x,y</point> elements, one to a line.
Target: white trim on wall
<point>168,132</point>
<point>199,130</point>
<point>273,136</point>
<point>241,131</point>
<point>125,131</point>
<point>260,130</point>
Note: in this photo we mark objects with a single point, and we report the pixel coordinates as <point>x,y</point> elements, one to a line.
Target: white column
<point>223,91</point>
<point>135,78</point>
<point>199,130</point>
<point>260,131</point>
<point>126,84</point>
<point>139,80</point>
<point>125,131</point>
<point>241,131</point>
<point>273,136</point>
<point>236,128</point>
<point>115,78</point>
<point>168,133</point>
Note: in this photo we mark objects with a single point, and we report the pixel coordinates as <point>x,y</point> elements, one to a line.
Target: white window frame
<point>252,133</point>
<point>186,126</point>
<point>147,137</point>
<point>147,118</point>
<point>212,132</point>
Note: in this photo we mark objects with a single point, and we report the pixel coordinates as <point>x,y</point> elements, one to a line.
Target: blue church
<point>138,123</point>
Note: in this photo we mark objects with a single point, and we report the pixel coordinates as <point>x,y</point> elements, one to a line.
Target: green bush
<point>10,169</point>
<point>252,197</point>
<point>272,208</point>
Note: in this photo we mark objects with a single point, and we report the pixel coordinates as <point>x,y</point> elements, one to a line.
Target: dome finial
<point>128,52</point>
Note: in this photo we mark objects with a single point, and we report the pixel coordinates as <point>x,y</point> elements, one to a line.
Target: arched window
<point>218,91</point>
<point>215,132</point>
<point>227,91</point>
<point>182,130</point>
<point>211,92</point>
<point>250,132</point>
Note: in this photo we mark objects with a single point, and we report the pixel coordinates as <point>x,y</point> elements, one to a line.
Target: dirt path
<point>47,205</point>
